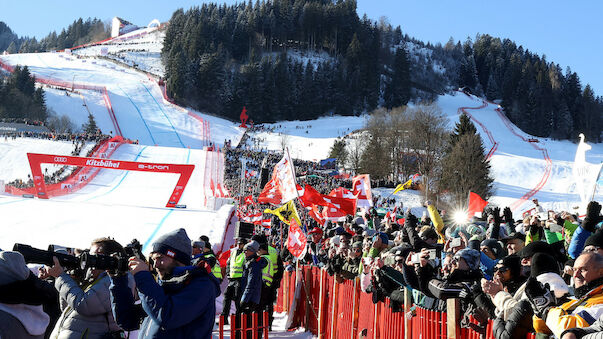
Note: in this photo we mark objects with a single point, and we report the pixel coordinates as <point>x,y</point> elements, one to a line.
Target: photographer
<point>86,309</point>
<point>180,304</point>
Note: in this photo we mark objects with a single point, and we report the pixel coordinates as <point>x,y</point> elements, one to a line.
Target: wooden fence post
<point>453,314</point>
<point>407,306</point>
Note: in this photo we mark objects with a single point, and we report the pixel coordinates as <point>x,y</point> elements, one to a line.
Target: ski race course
<point>130,204</point>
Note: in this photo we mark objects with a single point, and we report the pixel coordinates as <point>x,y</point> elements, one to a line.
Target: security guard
<point>234,272</point>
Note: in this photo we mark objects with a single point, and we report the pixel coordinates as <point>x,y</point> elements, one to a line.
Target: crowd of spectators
<point>542,273</point>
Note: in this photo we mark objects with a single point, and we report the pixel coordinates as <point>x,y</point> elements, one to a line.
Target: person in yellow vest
<point>202,251</point>
<point>272,275</point>
<point>234,272</point>
<point>580,312</point>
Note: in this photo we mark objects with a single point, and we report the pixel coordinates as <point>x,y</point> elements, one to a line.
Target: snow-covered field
<point>128,205</point>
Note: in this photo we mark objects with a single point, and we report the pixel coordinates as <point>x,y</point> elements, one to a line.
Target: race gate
<point>35,160</point>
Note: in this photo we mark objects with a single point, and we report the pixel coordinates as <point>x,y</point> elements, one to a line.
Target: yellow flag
<point>285,212</point>
<point>403,186</point>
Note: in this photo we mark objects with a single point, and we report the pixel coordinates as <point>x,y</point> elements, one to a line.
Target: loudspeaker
<point>264,175</point>
<point>244,230</point>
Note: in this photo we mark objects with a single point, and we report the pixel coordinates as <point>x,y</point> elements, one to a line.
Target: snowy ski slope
<point>129,204</point>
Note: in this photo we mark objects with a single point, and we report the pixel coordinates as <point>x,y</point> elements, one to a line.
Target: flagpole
<point>302,227</point>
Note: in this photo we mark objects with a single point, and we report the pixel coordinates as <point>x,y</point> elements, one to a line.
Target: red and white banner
<point>249,200</point>
<point>362,190</point>
<point>284,179</point>
<point>35,160</point>
<point>296,242</point>
<point>341,202</point>
<point>270,194</point>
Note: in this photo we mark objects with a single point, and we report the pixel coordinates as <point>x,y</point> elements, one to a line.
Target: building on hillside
<point>121,26</point>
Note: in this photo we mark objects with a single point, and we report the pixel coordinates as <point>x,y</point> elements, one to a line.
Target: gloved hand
<point>540,297</point>
<point>496,214</point>
<point>508,215</point>
<point>410,220</point>
<point>466,292</point>
<point>593,216</point>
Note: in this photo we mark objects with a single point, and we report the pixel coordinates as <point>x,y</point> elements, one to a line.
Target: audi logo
<point>60,159</point>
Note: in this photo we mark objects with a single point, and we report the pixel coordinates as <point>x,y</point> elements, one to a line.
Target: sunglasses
<point>502,269</point>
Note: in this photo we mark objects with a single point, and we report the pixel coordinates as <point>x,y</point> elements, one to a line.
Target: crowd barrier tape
<point>80,177</point>
<point>331,309</point>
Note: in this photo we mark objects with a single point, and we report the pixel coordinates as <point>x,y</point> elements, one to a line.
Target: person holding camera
<point>86,308</point>
<point>180,304</point>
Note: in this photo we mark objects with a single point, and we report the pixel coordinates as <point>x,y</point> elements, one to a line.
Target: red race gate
<point>35,160</point>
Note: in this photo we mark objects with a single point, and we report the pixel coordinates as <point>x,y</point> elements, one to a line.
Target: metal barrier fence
<point>248,326</point>
<point>331,309</point>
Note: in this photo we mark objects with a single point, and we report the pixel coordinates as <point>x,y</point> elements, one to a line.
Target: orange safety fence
<point>330,309</point>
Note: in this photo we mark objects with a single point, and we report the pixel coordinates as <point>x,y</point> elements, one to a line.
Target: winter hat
<point>543,263</point>
<point>471,257</point>
<point>513,262</point>
<point>534,247</point>
<point>176,245</point>
<point>12,267</point>
<point>516,235</point>
<point>260,238</point>
<point>253,246</point>
<point>357,244</point>
<point>335,240</point>
<point>359,221</point>
<point>198,244</point>
<point>383,236</point>
<point>494,246</point>
<point>316,230</point>
<point>595,240</point>
<point>428,233</point>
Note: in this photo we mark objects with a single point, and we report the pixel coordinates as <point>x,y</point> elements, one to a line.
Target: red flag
<point>270,194</point>
<point>296,242</point>
<point>284,179</point>
<point>342,199</point>
<point>476,204</point>
<point>316,215</point>
<point>312,197</point>
<point>249,200</point>
<point>223,258</point>
<point>362,190</point>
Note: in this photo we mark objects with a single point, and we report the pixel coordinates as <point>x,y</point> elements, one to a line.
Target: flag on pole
<point>270,194</point>
<point>476,204</point>
<point>403,186</point>
<point>311,197</point>
<point>362,190</point>
<point>284,178</point>
<point>296,241</point>
<point>286,213</point>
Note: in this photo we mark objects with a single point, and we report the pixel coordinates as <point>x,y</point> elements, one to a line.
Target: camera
<point>455,242</point>
<point>416,258</point>
<point>116,263</point>
<point>37,256</point>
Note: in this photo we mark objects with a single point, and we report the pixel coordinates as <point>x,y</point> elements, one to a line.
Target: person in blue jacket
<point>251,281</point>
<point>180,304</point>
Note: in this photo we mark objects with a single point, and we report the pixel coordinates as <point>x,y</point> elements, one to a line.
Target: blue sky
<point>568,33</point>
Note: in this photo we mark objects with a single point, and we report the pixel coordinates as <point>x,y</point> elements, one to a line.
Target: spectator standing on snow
<point>180,304</point>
